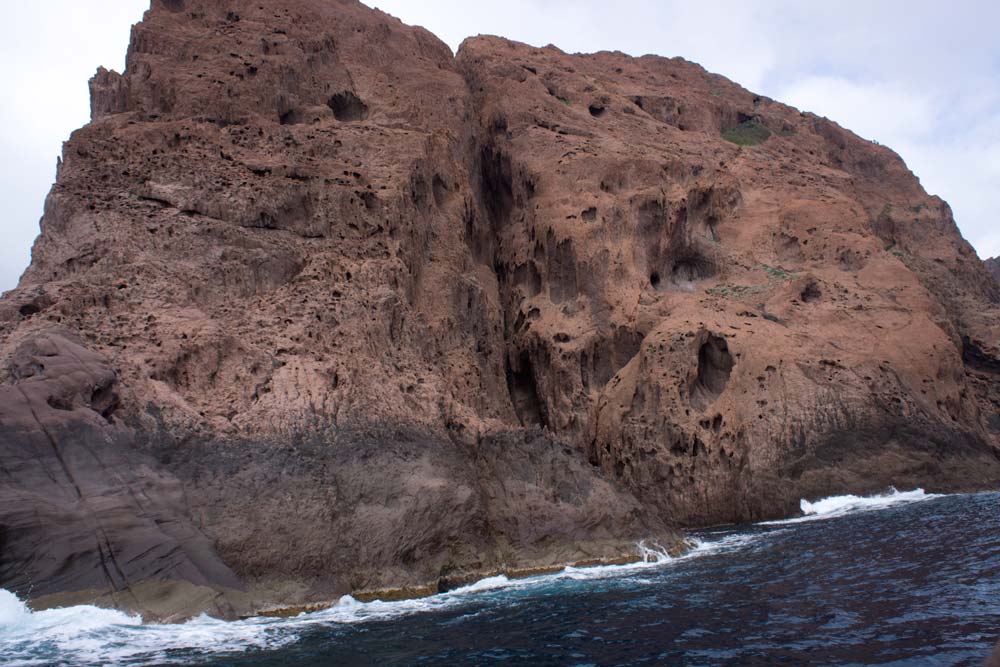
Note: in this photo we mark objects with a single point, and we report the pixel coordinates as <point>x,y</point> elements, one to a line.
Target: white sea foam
<point>87,635</point>
<point>729,543</point>
<point>84,636</point>
<point>836,506</point>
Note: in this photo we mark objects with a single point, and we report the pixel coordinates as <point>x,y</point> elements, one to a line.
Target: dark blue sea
<point>901,580</point>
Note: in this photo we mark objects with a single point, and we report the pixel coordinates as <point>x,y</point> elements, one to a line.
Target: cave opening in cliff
<point>692,267</point>
<point>29,309</point>
<point>715,366</point>
<point>524,392</point>
<point>348,107</point>
<point>291,117</point>
<point>654,279</point>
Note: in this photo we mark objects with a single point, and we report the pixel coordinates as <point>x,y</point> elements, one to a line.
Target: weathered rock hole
<point>590,215</point>
<point>608,356</point>
<point>348,107</point>
<point>851,260</point>
<point>597,110</point>
<point>811,293</point>
<point>717,423</point>
<point>59,403</point>
<point>715,366</point>
<point>29,309</point>
<point>291,117</point>
<point>692,268</point>
<point>524,392</point>
<point>369,199</point>
<point>655,280</point>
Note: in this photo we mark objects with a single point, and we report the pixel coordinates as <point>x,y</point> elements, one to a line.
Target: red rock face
<point>993,266</point>
<point>729,304</point>
<point>376,316</point>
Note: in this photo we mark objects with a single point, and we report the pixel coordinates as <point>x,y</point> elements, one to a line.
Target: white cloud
<point>952,142</point>
<point>54,47</point>
<point>713,34</point>
<point>886,112</point>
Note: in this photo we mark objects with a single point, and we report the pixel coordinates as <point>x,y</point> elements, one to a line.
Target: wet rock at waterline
<point>320,308</point>
<point>857,572</point>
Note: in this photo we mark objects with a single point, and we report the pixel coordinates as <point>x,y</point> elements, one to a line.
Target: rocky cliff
<point>320,308</point>
<point>993,266</point>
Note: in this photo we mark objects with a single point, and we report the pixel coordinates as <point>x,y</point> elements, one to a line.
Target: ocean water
<point>904,579</point>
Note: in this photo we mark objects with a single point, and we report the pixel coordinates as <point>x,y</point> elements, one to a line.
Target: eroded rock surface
<point>332,310</point>
<point>993,266</point>
<point>728,303</point>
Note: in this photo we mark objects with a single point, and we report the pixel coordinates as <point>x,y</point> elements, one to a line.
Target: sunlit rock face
<point>319,307</point>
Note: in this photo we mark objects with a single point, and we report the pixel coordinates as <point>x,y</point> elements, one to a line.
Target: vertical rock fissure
<point>498,201</point>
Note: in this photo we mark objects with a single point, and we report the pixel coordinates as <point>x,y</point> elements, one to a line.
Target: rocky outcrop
<point>730,304</point>
<point>993,266</point>
<point>81,509</point>
<point>320,308</point>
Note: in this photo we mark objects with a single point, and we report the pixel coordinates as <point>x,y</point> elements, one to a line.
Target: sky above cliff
<point>920,79</point>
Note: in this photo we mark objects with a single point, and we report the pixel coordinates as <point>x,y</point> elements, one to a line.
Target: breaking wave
<point>836,506</point>
<point>85,635</point>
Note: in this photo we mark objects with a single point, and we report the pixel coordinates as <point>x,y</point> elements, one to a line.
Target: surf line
<point>647,553</point>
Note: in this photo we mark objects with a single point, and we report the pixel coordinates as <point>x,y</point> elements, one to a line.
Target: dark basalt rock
<point>81,509</point>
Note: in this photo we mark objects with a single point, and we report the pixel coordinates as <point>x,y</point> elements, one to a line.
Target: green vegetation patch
<point>777,273</point>
<point>747,133</point>
<point>737,291</point>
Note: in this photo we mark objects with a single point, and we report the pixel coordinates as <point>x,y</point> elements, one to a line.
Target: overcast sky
<point>920,76</point>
